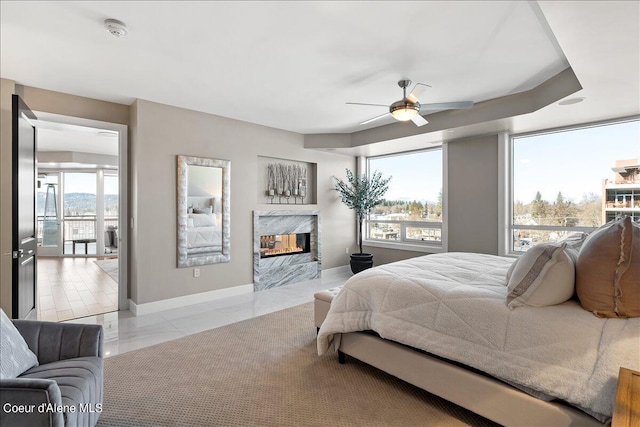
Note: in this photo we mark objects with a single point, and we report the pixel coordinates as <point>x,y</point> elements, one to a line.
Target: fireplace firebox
<point>284,244</point>
<point>286,247</point>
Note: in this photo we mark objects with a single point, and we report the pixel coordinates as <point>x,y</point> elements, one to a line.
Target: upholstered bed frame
<point>482,394</point>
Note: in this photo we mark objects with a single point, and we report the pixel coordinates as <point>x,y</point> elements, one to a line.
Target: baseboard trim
<point>178,302</point>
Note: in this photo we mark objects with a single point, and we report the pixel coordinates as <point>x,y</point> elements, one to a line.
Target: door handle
<point>18,254</point>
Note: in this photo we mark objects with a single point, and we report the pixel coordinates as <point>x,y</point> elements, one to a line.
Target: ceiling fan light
<point>404,111</point>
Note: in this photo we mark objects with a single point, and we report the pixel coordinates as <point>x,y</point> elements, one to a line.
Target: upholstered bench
<point>321,303</point>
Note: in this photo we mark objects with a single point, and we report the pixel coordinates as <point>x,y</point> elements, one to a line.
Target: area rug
<point>110,266</point>
<point>263,371</point>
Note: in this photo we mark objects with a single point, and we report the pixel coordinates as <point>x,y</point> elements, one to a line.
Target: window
<point>79,211</point>
<point>412,212</point>
<point>572,180</point>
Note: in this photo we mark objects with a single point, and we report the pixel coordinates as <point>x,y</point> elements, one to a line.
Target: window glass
<point>111,198</point>
<point>412,209</point>
<point>47,209</point>
<point>79,213</point>
<point>111,213</point>
<point>573,180</point>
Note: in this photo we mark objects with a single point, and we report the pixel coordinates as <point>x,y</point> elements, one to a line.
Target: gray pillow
<point>15,355</point>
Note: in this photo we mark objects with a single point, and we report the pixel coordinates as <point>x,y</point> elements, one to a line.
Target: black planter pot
<point>360,262</point>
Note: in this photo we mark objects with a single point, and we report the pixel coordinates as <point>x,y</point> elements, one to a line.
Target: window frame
<point>404,243</point>
<point>506,184</point>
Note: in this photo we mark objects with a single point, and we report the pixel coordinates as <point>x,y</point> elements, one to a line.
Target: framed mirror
<point>203,211</point>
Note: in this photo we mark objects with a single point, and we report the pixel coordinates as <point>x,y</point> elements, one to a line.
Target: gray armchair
<point>66,388</point>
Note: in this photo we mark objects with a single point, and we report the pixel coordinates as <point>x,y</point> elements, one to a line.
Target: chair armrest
<point>24,401</point>
<point>51,341</point>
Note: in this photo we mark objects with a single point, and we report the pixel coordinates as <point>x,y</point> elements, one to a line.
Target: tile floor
<point>125,332</point>
<point>73,287</point>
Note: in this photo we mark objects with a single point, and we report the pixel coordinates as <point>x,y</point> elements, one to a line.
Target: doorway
<point>81,217</point>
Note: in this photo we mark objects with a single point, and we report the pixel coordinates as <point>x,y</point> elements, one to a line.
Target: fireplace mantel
<point>272,272</point>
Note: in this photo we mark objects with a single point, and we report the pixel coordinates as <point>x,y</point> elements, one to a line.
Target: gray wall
<point>7,88</point>
<point>74,106</point>
<point>158,134</point>
<point>473,195</point>
<point>472,200</point>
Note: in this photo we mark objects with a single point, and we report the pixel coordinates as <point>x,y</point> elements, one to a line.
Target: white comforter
<point>453,305</point>
<point>202,237</point>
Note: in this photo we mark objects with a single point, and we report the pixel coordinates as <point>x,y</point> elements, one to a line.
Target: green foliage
<point>362,194</point>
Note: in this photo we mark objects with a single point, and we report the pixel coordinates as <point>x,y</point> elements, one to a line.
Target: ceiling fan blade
<point>369,105</point>
<point>375,118</point>
<point>419,120</point>
<point>446,105</point>
<point>417,92</point>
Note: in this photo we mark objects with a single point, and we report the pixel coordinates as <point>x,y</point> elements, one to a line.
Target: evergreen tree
<point>565,213</point>
<point>539,207</point>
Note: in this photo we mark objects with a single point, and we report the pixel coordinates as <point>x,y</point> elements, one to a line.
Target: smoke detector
<point>115,27</point>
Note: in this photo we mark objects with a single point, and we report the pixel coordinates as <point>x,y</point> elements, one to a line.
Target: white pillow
<point>543,275</point>
<point>574,242</point>
<point>203,220</point>
<point>15,355</point>
<point>206,210</point>
<point>510,270</point>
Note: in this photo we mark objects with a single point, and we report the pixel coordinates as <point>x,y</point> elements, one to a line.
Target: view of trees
<point>83,204</point>
<point>405,210</point>
<point>562,212</point>
<point>414,210</point>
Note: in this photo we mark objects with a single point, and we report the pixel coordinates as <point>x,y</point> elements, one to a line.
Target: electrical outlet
<point>196,272</point>
<point>346,251</point>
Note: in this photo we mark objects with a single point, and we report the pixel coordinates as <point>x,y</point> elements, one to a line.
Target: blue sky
<point>417,176</point>
<point>573,162</point>
<point>86,183</point>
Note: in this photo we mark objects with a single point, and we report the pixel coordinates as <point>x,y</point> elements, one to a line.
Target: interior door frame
<point>123,196</point>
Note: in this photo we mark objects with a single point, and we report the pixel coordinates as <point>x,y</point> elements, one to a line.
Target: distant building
<point>622,196</point>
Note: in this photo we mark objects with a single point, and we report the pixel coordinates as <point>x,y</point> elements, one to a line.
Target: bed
<point>205,238</point>
<point>441,322</point>
<point>204,231</point>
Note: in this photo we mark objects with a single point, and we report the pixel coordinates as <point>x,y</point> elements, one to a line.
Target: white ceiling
<point>81,139</point>
<point>293,65</point>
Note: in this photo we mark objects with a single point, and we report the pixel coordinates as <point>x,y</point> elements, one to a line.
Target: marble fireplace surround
<point>283,270</point>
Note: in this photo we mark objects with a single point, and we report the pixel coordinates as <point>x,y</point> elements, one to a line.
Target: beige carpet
<point>262,372</point>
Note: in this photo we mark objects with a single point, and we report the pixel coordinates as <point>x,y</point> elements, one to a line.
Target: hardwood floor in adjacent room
<point>69,288</point>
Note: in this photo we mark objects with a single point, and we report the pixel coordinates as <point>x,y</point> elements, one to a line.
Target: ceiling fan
<point>408,108</point>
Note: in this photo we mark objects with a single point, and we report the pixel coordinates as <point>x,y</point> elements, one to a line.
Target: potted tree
<point>361,194</point>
